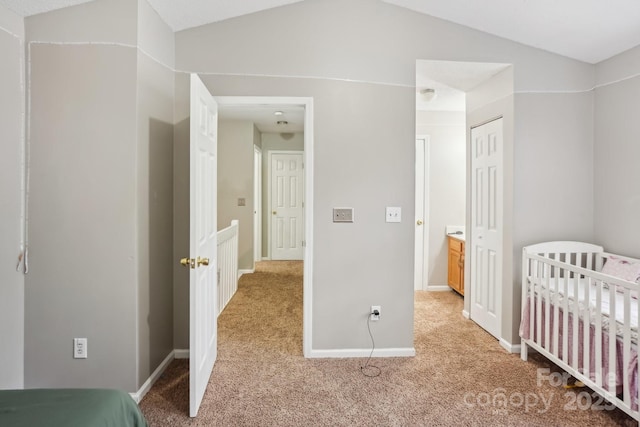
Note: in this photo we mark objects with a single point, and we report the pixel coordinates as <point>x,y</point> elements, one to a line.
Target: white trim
<point>181,354</point>
<point>266,258</point>
<point>466,315</point>
<point>511,348</point>
<point>11,33</point>
<point>307,103</point>
<point>113,44</point>
<point>139,395</point>
<point>361,352</point>
<point>257,204</point>
<point>288,76</point>
<point>246,271</point>
<point>421,232</point>
<point>439,288</point>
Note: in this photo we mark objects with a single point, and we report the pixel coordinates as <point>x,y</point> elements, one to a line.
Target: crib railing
<point>563,300</point>
<point>227,264</point>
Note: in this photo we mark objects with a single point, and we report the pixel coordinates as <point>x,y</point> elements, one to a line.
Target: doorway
<point>481,91</point>
<point>273,105</point>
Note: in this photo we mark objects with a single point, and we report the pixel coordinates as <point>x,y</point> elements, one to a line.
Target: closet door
<point>486,250</point>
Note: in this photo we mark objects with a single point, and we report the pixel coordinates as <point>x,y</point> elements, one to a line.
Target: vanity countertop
<point>460,236</point>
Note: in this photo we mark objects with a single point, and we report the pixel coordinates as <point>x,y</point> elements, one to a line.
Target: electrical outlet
<point>393,214</point>
<point>375,308</point>
<point>79,348</point>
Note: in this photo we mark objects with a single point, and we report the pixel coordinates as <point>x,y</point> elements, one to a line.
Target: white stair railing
<point>227,264</point>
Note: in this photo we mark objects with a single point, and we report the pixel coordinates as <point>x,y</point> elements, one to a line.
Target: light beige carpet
<point>459,377</point>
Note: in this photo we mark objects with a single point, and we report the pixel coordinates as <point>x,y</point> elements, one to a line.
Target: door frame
<point>257,204</point>
<point>421,250</point>
<point>269,198</point>
<point>307,104</point>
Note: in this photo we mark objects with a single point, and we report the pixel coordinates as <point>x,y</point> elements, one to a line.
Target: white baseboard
<point>137,396</point>
<point>438,288</point>
<point>356,352</point>
<point>181,354</point>
<point>511,348</point>
<point>241,272</point>
<point>465,314</point>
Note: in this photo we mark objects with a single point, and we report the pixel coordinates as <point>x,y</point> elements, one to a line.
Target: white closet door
<point>486,225</point>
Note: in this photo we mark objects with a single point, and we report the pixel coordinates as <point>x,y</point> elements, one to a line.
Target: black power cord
<point>370,370</point>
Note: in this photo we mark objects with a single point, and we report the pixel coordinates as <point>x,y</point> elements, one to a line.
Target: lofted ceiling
<point>587,30</point>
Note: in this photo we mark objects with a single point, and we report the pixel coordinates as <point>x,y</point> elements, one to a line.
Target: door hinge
<point>304,243</point>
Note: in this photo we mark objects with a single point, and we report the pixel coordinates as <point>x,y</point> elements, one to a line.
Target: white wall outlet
<point>79,348</point>
<point>394,214</point>
<point>375,309</point>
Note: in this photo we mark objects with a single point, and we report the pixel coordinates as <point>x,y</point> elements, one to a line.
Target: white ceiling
<point>263,116</point>
<point>450,80</point>
<point>587,30</point>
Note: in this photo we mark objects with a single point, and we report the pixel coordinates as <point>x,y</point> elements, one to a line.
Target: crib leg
<point>524,352</point>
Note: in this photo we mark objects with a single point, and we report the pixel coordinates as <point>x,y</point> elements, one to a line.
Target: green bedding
<point>69,408</point>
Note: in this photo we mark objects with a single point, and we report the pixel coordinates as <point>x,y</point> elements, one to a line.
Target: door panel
<point>202,241</point>
<point>486,233</point>
<point>287,207</point>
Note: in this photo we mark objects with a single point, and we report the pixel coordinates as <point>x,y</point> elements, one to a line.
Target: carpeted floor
<point>459,377</point>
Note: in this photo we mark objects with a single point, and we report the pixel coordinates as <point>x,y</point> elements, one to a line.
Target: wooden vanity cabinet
<point>455,277</point>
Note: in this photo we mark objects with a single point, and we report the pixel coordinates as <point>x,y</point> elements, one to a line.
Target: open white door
<point>486,225</point>
<point>203,336</point>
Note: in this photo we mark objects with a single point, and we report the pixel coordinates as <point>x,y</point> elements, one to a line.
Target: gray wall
<point>155,88</point>
<point>617,153</point>
<point>181,210</point>
<point>82,225</point>
<point>274,142</point>
<point>100,202</point>
<point>364,137</point>
<point>235,180</point>
<point>447,183</point>
<point>11,225</point>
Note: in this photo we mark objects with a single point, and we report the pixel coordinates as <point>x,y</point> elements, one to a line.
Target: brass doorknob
<point>274,212</point>
<point>188,262</point>
<point>203,261</point>
<point>419,222</point>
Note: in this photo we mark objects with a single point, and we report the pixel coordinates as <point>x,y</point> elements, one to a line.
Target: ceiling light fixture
<point>428,94</point>
<point>282,122</point>
<point>278,113</point>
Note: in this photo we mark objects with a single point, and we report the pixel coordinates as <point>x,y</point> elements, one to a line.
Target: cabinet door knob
<point>419,222</point>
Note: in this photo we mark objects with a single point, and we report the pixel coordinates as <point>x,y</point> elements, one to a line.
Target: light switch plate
<point>342,214</point>
<point>394,214</point>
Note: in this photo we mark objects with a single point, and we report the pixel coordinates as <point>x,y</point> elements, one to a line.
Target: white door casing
<point>307,104</point>
<point>287,205</point>
<point>486,225</point>
<point>257,204</point>
<point>421,251</point>
<point>202,241</point>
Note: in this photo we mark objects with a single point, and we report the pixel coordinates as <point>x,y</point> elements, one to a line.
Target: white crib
<point>568,309</point>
